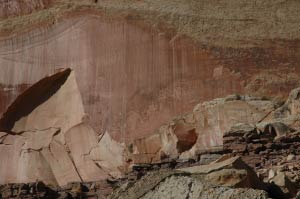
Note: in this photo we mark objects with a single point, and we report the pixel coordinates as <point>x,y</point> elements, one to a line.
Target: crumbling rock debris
<point>183,184</point>
<point>49,138</point>
<point>91,190</point>
<point>269,143</point>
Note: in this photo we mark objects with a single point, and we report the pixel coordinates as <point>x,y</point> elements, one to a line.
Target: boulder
<point>49,139</point>
<point>228,172</point>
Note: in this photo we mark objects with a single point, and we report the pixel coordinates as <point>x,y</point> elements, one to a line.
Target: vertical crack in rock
<point>189,190</point>
<point>48,168</point>
<point>71,158</point>
<point>33,97</point>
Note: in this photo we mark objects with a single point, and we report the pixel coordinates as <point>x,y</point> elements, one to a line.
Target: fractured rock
<point>47,138</point>
<point>54,101</point>
<point>155,148</point>
<point>110,156</point>
<point>289,112</point>
<point>80,140</point>
<point>229,172</point>
<point>229,177</point>
<point>202,130</point>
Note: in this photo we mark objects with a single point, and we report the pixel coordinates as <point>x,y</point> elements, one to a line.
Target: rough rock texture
<point>202,130</point>
<point>274,157</point>
<point>269,145</point>
<point>179,185</point>
<point>139,64</point>
<point>229,172</point>
<point>288,113</point>
<point>50,140</point>
<point>98,190</point>
<point>161,73</point>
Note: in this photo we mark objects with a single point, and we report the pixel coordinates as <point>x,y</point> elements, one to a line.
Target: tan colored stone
<point>228,172</point>
<point>63,109</point>
<point>218,116</point>
<point>202,130</point>
<point>110,156</point>
<point>155,148</point>
<point>229,177</point>
<point>19,164</point>
<point>81,139</point>
<point>50,140</point>
<point>290,157</point>
<point>61,164</point>
<point>37,140</point>
<point>288,113</point>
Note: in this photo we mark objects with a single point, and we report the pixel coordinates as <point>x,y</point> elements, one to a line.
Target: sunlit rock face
<point>47,137</point>
<point>134,78</point>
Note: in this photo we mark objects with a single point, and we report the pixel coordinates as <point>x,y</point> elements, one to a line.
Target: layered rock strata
<point>167,56</point>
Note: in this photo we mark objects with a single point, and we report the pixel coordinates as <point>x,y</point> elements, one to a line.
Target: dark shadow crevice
<point>32,98</point>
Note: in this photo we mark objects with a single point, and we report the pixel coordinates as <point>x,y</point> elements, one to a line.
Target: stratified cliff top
<point>230,23</point>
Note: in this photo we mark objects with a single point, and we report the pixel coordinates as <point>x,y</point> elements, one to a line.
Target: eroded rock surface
<point>161,71</point>
<point>49,138</point>
<point>201,130</point>
<point>176,184</point>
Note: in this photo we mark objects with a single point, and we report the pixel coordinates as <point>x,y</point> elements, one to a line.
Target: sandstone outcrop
<point>49,139</point>
<point>167,56</point>
<point>232,172</point>
<point>139,64</point>
<point>202,130</point>
<point>268,144</point>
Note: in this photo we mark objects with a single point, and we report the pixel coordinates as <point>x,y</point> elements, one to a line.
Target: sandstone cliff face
<point>138,64</point>
<point>160,75</point>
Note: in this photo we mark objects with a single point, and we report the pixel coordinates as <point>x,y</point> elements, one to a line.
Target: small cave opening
<point>187,138</point>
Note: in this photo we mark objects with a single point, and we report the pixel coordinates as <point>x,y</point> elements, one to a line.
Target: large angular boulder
<point>228,171</point>
<point>46,137</point>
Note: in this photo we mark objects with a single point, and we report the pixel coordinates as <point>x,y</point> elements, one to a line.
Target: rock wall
<point>132,77</point>
<point>200,131</point>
